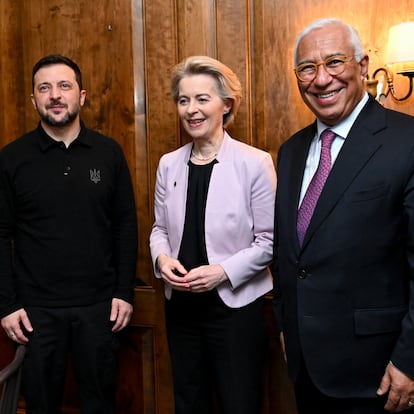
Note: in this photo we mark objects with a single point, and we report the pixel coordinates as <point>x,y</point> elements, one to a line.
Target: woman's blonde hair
<point>228,84</point>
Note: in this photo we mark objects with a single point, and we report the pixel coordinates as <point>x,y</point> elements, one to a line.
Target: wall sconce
<point>400,54</point>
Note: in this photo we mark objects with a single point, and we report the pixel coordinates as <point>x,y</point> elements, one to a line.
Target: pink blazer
<point>239,216</point>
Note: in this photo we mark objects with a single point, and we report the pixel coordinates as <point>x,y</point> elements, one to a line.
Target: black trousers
<point>85,332</point>
<point>217,354</point>
<point>310,400</point>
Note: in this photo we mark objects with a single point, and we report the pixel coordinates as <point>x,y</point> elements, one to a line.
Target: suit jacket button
<point>302,274</point>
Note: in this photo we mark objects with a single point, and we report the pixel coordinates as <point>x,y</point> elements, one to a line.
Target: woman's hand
<point>172,272</point>
<point>205,278</point>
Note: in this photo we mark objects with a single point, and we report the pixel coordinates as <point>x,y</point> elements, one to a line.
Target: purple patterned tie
<point>316,185</point>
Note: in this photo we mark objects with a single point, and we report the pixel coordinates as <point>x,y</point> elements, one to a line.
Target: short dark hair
<point>56,60</point>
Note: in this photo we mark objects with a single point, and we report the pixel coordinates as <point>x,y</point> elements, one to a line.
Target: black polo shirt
<point>68,232</point>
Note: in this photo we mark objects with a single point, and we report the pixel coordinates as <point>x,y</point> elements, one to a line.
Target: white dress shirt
<point>341,131</point>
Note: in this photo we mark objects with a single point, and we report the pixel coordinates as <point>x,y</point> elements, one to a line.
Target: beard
<point>66,120</point>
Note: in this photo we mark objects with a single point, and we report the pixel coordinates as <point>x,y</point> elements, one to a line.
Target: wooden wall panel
<point>143,191</point>
<point>11,75</point>
<point>271,89</point>
<point>234,49</point>
<point>196,28</point>
<point>160,56</point>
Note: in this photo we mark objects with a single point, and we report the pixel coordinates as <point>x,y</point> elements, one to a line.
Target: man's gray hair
<point>354,38</point>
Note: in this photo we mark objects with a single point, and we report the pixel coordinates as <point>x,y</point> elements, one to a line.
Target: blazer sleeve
<point>159,242</point>
<point>249,261</point>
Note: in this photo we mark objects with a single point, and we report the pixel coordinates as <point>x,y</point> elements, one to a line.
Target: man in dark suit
<point>342,285</point>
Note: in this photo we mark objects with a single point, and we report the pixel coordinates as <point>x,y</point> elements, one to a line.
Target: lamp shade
<point>400,46</point>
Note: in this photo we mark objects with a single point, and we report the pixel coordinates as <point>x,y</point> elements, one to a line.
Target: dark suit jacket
<point>343,300</point>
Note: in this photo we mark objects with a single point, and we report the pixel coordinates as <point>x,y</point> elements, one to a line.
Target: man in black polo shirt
<point>68,244</point>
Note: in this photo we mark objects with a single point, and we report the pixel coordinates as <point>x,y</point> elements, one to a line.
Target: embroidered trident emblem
<point>95,175</point>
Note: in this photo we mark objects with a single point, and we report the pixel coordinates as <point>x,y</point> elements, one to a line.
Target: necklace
<point>202,158</point>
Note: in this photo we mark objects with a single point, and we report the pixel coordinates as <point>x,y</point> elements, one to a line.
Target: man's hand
<point>12,325</point>
<point>121,312</point>
<point>400,389</point>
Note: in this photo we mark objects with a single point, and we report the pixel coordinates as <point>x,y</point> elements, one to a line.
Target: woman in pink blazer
<point>212,243</point>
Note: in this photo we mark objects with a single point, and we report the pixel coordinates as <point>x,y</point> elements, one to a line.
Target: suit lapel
<point>357,150</point>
